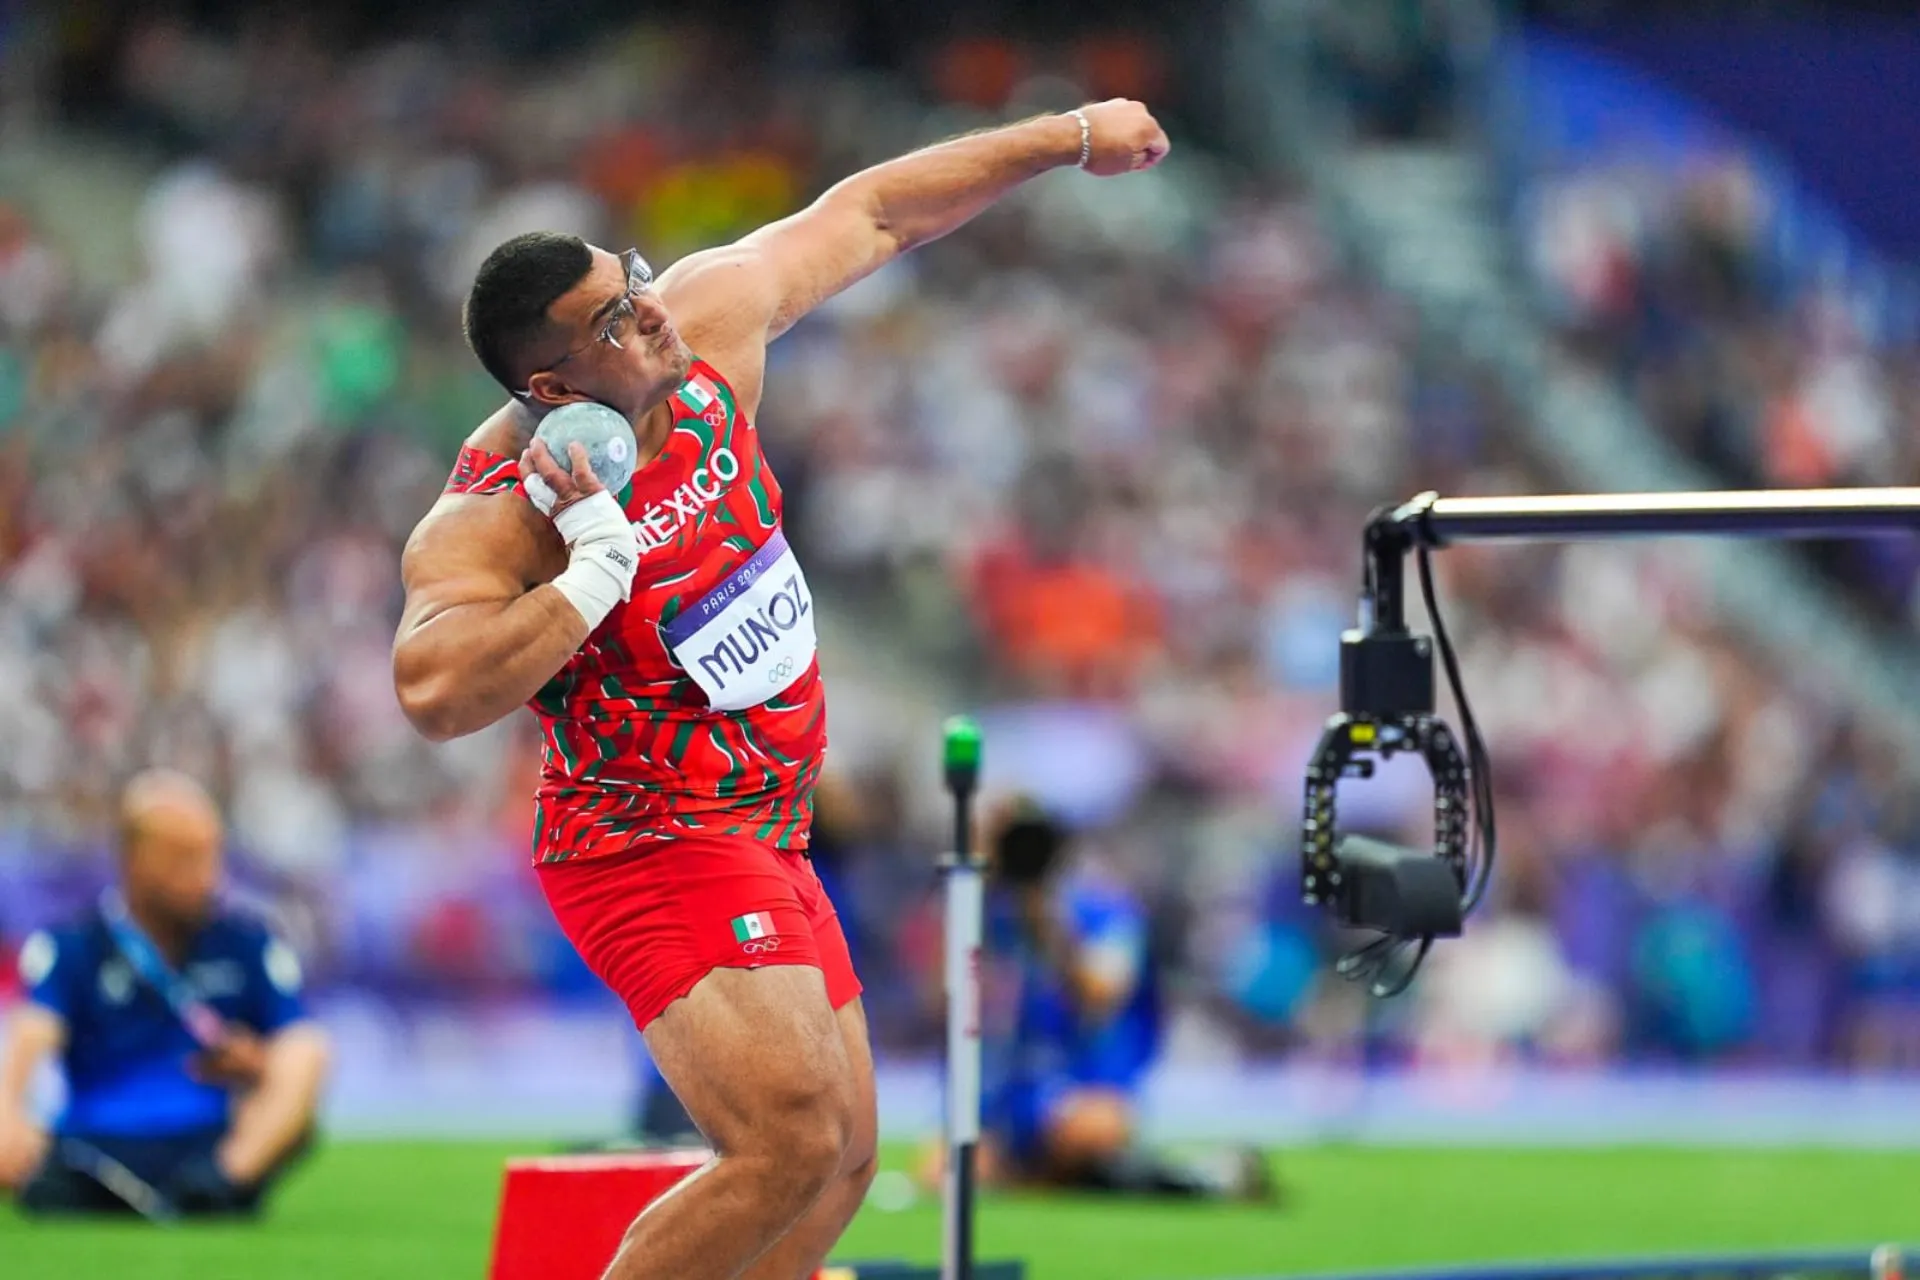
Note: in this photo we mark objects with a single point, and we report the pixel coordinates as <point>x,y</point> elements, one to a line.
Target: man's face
<point>621,348</point>
<point>173,865</point>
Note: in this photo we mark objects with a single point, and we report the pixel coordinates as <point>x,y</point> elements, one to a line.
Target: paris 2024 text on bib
<point>752,635</point>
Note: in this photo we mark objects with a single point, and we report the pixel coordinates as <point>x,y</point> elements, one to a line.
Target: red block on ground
<point>561,1217</point>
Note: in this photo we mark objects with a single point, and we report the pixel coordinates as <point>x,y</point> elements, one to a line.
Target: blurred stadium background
<point>1096,467</point>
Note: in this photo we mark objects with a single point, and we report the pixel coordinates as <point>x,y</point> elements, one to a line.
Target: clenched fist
<point>1125,138</point>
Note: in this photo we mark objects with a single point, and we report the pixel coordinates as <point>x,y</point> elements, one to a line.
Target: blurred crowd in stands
<point>1096,464</point>
<point>1671,278</point>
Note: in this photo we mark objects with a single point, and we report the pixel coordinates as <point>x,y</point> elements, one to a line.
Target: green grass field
<point>392,1211</point>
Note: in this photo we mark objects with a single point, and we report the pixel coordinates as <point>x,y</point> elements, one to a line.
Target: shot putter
<point>964,871</point>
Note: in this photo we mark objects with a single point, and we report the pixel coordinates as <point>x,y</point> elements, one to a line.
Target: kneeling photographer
<point>1072,1023</point>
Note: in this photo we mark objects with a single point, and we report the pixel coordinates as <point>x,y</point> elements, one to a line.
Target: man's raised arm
<point>789,267</point>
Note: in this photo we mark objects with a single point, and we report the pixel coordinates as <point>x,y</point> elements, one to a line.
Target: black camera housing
<point>1386,674</point>
<point>1387,703</point>
<point>1402,892</point>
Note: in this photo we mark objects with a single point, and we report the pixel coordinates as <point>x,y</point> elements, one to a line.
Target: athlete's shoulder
<point>489,460</point>
<point>482,473</point>
<point>720,303</point>
<point>716,290</point>
<point>507,431</point>
<point>461,526</point>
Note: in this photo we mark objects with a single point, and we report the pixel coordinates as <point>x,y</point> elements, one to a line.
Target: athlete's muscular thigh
<point>758,1058</point>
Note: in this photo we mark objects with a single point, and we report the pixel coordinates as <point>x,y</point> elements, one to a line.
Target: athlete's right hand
<point>604,553</point>
<point>554,488</point>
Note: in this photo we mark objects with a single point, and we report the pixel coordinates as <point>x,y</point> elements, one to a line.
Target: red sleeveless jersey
<point>635,747</point>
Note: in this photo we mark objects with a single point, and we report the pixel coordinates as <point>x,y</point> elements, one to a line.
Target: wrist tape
<point>603,555</point>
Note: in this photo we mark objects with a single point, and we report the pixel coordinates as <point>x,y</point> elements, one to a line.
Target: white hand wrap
<point>599,572</point>
<point>539,492</point>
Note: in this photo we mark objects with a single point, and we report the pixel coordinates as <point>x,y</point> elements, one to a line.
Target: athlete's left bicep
<point>769,279</point>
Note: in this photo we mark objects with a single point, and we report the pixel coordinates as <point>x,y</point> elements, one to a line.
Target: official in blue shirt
<point>192,1073</point>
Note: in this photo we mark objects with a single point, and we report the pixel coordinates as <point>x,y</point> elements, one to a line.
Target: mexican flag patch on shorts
<point>747,928</point>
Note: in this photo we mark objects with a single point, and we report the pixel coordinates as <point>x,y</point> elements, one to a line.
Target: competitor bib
<point>752,636</point>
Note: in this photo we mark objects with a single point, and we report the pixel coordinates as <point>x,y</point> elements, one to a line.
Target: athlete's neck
<point>651,433</point>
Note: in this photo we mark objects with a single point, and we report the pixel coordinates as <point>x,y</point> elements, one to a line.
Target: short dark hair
<point>507,307</point>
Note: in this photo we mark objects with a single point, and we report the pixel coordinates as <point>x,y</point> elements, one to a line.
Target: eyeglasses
<point>619,320</point>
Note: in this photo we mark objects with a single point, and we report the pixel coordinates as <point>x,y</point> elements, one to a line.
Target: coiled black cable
<point>1373,962</point>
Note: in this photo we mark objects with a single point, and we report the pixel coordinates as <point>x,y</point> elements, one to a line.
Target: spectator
<point>193,1075</point>
<point>1104,463</point>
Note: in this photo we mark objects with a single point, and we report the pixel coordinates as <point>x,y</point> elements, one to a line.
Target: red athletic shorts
<point>653,921</point>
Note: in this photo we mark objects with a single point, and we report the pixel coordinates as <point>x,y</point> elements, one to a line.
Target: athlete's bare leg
<point>799,1253</point>
<point>758,1057</point>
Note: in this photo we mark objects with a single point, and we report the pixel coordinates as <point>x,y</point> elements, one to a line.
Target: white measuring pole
<point>965,878</point>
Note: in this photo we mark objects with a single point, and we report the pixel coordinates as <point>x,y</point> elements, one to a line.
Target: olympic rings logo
<point>782,670</point>
<point>760,946</point>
